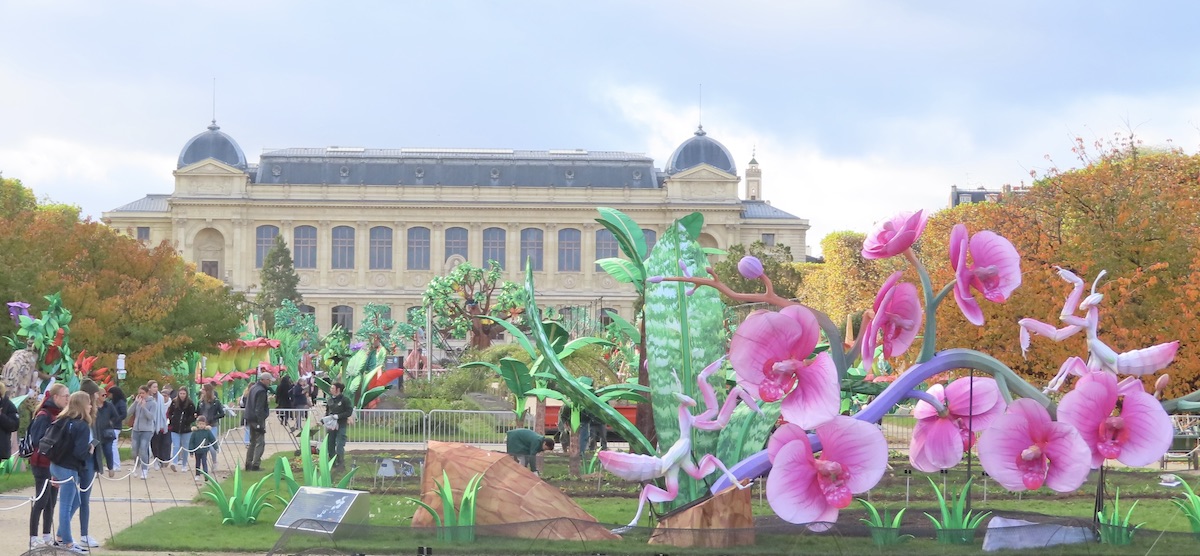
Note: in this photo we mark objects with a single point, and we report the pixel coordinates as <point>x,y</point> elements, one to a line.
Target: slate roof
<point>149,203</point>
<point>701,149</point>
<point>760,209</point>
<point>212,144</point>
<point>456,167</point>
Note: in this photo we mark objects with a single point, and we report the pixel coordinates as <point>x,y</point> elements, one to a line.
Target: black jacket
<point>122,407</point>
<point>258,406</point>
<point>340,406</point>
<point>79,456</point>
<point>181,417</point>
<point>9,421</point>
<point>107,418</point>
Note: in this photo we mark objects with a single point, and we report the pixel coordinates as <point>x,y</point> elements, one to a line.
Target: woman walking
<point>144,427</point>
<point>10,421</point>
<point>95,460</point>
<point>180,418</point>
<point>211,409</point>
<point>77,426</point>
<point>117,397</point>
<point>46,492</point>
<point>283,399</point>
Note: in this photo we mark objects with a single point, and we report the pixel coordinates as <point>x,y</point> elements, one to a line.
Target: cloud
<point>97,178</point>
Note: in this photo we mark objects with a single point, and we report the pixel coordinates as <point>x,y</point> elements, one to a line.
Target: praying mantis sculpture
<point>641,467</point>
<point>1100,356</point>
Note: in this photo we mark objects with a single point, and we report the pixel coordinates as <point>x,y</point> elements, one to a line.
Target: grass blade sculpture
<point>238,508</point>
<point>454,526</point>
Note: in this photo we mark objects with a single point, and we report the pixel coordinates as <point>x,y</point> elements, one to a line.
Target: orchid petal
<point>964,400</point>
<point>810,329</point>
<point>1150,430</point>
<point>1068,453</point>
<point>936,444</point>
<point>859,447</point>
<point>969,307</point>
<point>1001,445</point>
<point>925,410</point>
<point>792,488</point>
<point>1087,406</point>
<point>785,434</point>
<point>989,249</point>
<point>816,398</point>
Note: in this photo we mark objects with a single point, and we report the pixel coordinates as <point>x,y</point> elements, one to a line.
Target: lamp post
<point>121,367</point>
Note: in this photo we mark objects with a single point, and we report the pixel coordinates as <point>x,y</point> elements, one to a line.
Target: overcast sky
<point>857,109</point>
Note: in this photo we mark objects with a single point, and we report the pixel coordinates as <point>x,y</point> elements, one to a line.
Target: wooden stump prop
<point>508,494</point>
<point>721,521</point>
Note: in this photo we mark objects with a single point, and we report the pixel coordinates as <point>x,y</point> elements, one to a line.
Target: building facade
<point>375,225</point>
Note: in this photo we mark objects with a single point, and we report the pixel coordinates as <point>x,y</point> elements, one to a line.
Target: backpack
<point>27,446</point>
<point>57,443</point>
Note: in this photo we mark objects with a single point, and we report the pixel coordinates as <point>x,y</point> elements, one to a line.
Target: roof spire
<point>214,125</point>
<point>700,110</point>
<point>754,154</point>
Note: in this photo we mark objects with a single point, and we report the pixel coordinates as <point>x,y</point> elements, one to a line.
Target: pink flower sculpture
<point>897,319</point>
<point>1136,436</point>
<point>750,267</point>
<point>770,354</point>
<point>893,236</point>
<point>805,489</point>
<point>995,270</point>
<point>941,435</point>
<point>1024,449</point>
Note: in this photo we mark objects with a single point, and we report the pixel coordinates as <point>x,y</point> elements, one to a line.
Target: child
<point>202,440</point>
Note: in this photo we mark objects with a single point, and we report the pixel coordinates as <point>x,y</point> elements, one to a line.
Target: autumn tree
<point>459,300</point>
<point>1129,211</point>
<point>777,265</point>
<point>15,198</point>
<point>278,281</point>
<point>125,298</point>
<point>846,283</point>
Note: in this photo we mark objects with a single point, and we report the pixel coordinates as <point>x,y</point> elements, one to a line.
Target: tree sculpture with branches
<point>469,301</point>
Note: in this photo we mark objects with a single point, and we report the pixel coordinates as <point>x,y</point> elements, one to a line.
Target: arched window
<point>493,247</point>
<point>343,315</point>
<point>651,239</point>
<point>343,247</point>
<point>304,247</point>
<point>570,250</point>
<point>456,243</point>
<point>418,248</point>
<point>606,246</point>
<point>381,248</point>
<point>264,239</point>
<point>531,248</point>
<point>306,309</point>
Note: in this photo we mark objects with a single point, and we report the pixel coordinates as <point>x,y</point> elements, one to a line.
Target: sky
<point>854,109</point>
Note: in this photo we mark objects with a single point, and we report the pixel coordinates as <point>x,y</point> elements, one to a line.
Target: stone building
<point>375,225</point>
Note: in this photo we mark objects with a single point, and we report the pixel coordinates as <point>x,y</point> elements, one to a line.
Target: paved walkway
<point>125,499</point>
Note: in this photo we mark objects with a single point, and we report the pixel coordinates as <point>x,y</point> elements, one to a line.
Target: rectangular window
<point>264,239</point>
<point>343,248</point>
<point>304,247</point>
<point>570,250</point>
<point>964,198</point>
<point>418,248</point>
<point>210,268</point>
<point>531,248</point>
<point>606,246</point>
<point>143,233</point>
<point>768,240</point>
<point>381,248</point>
<point>651,239</point>
<point>456,243</point>
<point>494,247</point>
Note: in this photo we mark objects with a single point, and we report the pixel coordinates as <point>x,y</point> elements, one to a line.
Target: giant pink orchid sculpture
<point>804,488</point>
<point>896,322</point>
<point>814,474</point>
<point>770,354</point>
<point>1025,449</point>
<point>995,270</point>
<point>948,419</point>
<point>1136,436</point>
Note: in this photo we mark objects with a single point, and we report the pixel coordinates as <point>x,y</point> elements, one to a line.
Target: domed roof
<point>701,149</point>
<point>212,144</point>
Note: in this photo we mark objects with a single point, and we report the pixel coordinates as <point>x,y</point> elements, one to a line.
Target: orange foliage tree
<point>125,297</point>
<point>1129,211</point>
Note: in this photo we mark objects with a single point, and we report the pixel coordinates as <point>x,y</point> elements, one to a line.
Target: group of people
<point>88,423</point>
<point>338,410</point>
<point>169,426</point>
<point>293,400</point>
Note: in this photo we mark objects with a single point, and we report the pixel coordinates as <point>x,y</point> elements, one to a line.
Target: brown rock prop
<point>509,495</point>
<point>721,521</point>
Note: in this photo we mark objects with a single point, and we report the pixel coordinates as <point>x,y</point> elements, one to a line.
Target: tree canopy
<point>125,297</point>
<point>458,299</point>
<point>777,265</point>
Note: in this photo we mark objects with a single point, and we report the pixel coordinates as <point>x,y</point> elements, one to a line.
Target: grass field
<point>613,501</point>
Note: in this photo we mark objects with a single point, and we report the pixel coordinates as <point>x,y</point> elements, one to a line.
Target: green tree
<point>379,329</point>
<point>777,265</point>
<point>278,282</point>
<point>469,299</point>
<point>846,283</point>
<point>15,198</point>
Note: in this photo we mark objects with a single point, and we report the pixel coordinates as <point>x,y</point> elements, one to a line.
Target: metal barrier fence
<point>411,426</point>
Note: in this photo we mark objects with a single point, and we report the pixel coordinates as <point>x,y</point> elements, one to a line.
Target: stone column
<point>549,248</point>
<point>324,254</point>
<point>437,248</point>
<point>362,254</point>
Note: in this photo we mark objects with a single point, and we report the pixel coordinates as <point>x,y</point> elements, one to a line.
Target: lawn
<point>613,501</point>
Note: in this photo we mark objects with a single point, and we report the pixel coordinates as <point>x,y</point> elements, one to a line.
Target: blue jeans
<point>68,499</point>
<point>179,444</point>
<point>87,480</point>
<point>335,445</point>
